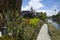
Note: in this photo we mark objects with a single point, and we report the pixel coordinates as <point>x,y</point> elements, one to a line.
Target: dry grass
<point>55,33</point>
<point>7,38</point>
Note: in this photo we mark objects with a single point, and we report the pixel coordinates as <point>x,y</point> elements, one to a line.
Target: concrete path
<point>43,34</point>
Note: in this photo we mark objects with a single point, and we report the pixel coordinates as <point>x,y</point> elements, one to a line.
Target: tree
<point>42,15</point>
<point>10,10</point>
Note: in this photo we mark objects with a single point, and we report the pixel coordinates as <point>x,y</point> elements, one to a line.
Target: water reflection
<point>54,23</point>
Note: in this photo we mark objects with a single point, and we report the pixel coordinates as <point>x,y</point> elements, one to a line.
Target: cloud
<point>50,11</point>
<point>36,4</point>
<point>26,8</point>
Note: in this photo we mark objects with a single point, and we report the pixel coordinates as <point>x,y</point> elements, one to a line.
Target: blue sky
<point>47,6</point>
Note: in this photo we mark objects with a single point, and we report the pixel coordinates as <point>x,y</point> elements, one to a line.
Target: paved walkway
<point>43,34</point>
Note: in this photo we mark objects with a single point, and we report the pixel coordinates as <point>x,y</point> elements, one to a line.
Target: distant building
<point>28,14</point>
<point>23,13</point>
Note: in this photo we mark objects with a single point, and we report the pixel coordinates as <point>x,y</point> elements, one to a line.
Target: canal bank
<point>54,33</point>
<point>55,23</point>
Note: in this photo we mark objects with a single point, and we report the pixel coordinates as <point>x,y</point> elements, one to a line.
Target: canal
<point>57,25</point>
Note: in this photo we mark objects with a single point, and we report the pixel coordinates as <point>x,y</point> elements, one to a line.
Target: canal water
<point>57,25</point>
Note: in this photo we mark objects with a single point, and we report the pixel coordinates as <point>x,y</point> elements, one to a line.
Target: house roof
<point>25,11</point>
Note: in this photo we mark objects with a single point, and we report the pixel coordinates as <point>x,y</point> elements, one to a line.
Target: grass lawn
<point>55,33</point>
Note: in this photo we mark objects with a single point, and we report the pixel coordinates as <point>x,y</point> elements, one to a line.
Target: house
<point>28,14</point>
<point>31,13</point>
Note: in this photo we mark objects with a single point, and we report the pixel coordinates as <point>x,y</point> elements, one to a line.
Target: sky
<point>47,6</point>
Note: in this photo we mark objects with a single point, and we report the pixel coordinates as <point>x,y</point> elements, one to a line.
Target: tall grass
<point>54,33</point>
<point>27,30</point>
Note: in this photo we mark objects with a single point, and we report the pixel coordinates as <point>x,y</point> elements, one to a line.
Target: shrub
<point>34,21</point>
<point>7,38</point>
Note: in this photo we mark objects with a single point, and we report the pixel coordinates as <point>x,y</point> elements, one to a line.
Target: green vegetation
<point>56,17</point>
<point>34,21</point>
<point>28,30</point>
<point>54,33</point>
<point>7,38</point>
<point>18,28</point>
<point>42,15</point>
